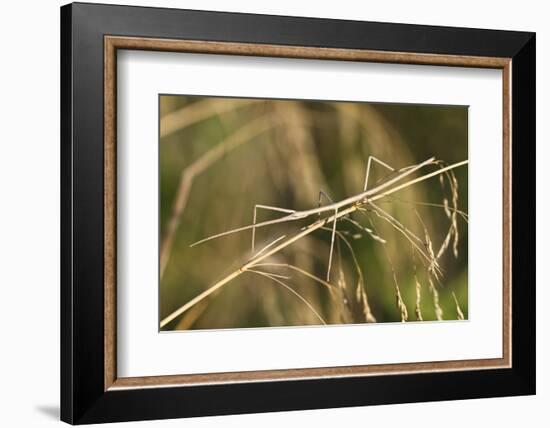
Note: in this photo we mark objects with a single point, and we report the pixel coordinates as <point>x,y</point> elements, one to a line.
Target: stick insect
<point>336,210</point>
<point>334,207</point>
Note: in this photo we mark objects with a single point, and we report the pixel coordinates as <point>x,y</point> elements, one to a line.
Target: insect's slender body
<point>298,215</point>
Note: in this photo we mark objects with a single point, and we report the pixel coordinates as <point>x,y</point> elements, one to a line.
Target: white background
<point>142,351</point>
<point>29,215</point>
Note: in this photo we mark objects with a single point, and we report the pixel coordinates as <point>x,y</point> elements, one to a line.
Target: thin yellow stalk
<point>297,269</point>
<point>303,232</point>
<point>198,112</point>
<point>459,313</point>
<point>274,278</point>
<point>428,204</point>
<point>406,233</point>
<point>241,136</point>
<point>306,231</point>
<point>417,180</point>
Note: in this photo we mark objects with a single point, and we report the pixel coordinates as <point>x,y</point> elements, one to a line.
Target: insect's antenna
<point>288,217</point>
<point>372,158</point>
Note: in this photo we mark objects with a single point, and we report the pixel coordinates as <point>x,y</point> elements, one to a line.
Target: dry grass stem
<point>241,136</point>
<point>360,288</point>
<point>411,237</point>
<point>427,204</point>
<point>431,272</point>
<point>418,291</point>
<point>398,299</point>
<point>302,271</point>
<point>197,112</point>
<point>336,211</point>
<point>459,313</point>
<point>298,295</point>
<point>451,212</point>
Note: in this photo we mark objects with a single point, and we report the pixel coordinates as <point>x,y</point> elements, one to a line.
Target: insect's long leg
<point>265,207</point>
<point>332,244</point>
<point>327,197</point>
<point>372,158</point>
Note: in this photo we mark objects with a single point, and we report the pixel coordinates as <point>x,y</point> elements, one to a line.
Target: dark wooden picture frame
<point>90,36</point>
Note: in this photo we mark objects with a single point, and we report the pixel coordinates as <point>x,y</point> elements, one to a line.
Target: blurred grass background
<point>235,153</point>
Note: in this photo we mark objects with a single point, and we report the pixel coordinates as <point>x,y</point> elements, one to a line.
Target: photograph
<point>293,213</point>
<point>268,210</point>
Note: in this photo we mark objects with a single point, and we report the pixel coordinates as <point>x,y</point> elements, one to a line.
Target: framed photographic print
<point>265,213</point>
